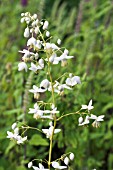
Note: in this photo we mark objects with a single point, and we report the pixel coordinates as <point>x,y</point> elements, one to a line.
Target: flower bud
<point>80,120</point>
<point>45,26</point>
<point>71,156</point>
<point>58,41</point>
<point>22,20</point>
<point>47,33</point>
<point>30,164</point>
<point>66,160</point>
<point>35,16</point>
<point>26,33</point>
<point>14,125</point>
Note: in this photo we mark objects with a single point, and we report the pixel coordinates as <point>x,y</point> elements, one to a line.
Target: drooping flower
<point>97,120</point>
<point>15,135</point>
<point>22,66</point>
<point>40,66</point>
<point>85,122</point>
<point>72,81</point>
<point>88,107</point>
<point>31,42</point>
<point>49,131</point>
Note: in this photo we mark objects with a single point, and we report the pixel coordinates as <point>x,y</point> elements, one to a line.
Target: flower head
<point>97,120</point>
<point>88,107</point>
<point>22,66</point>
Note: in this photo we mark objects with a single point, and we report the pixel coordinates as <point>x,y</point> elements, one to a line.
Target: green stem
<point>68,115</point>
<point>53,100</point>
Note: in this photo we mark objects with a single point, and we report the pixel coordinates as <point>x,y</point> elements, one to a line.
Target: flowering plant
<point>41,54</point>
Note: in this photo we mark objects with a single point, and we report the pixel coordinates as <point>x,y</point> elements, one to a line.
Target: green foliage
<point>92,48</point>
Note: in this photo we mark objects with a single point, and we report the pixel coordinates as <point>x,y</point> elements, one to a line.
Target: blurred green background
<point>86,30</point>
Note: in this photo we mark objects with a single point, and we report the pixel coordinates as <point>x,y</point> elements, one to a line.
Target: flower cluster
<point>15,135</point>
<point>97,119</point>
<point>38,113</point>
<point>39,55</point>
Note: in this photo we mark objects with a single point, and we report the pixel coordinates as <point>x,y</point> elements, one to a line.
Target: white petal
<point>55,164</point>
<point>84,107</point>
<point>93,117</point>
<point>35,168</point>
<point>90,103</point>
<point>41,166</point>
<point>100,118</point>
<point>57,130</point>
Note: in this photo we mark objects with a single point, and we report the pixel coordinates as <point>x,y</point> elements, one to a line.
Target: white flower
<point>85,122</point>
<point>49,131</point>
<point>36,90</point>
<point>26,53</point>
<point>26,33</point>
<point>48,46</point>
<point>58,41</point>
<point>33,67</point>
<point>64,56</point>
<point>36,30</point>
<point>66,160</point>
<point>45,25</point>
<point>40,66</point>
<point>30,164</point>
<point>71,156</point>
<point>21,140</point>
<point>53,59</point>
<point>89,107</point>
<point>72,81</point>
<point>22,66</point>
<point>31,42</point>
<point>97,119</point>
<point>41,167</point>
<point>35,16</point>
<point>15,135</point>
<point>66,51</point>
<point>45,84</point>
<point>38,44</point>
<point>47,33</point>
<point>56,165</point>
<point>10,135</point>
<point>36,110</point>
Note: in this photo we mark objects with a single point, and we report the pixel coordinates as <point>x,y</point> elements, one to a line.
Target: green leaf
<point>38,140</point>
<point>10,146</point>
